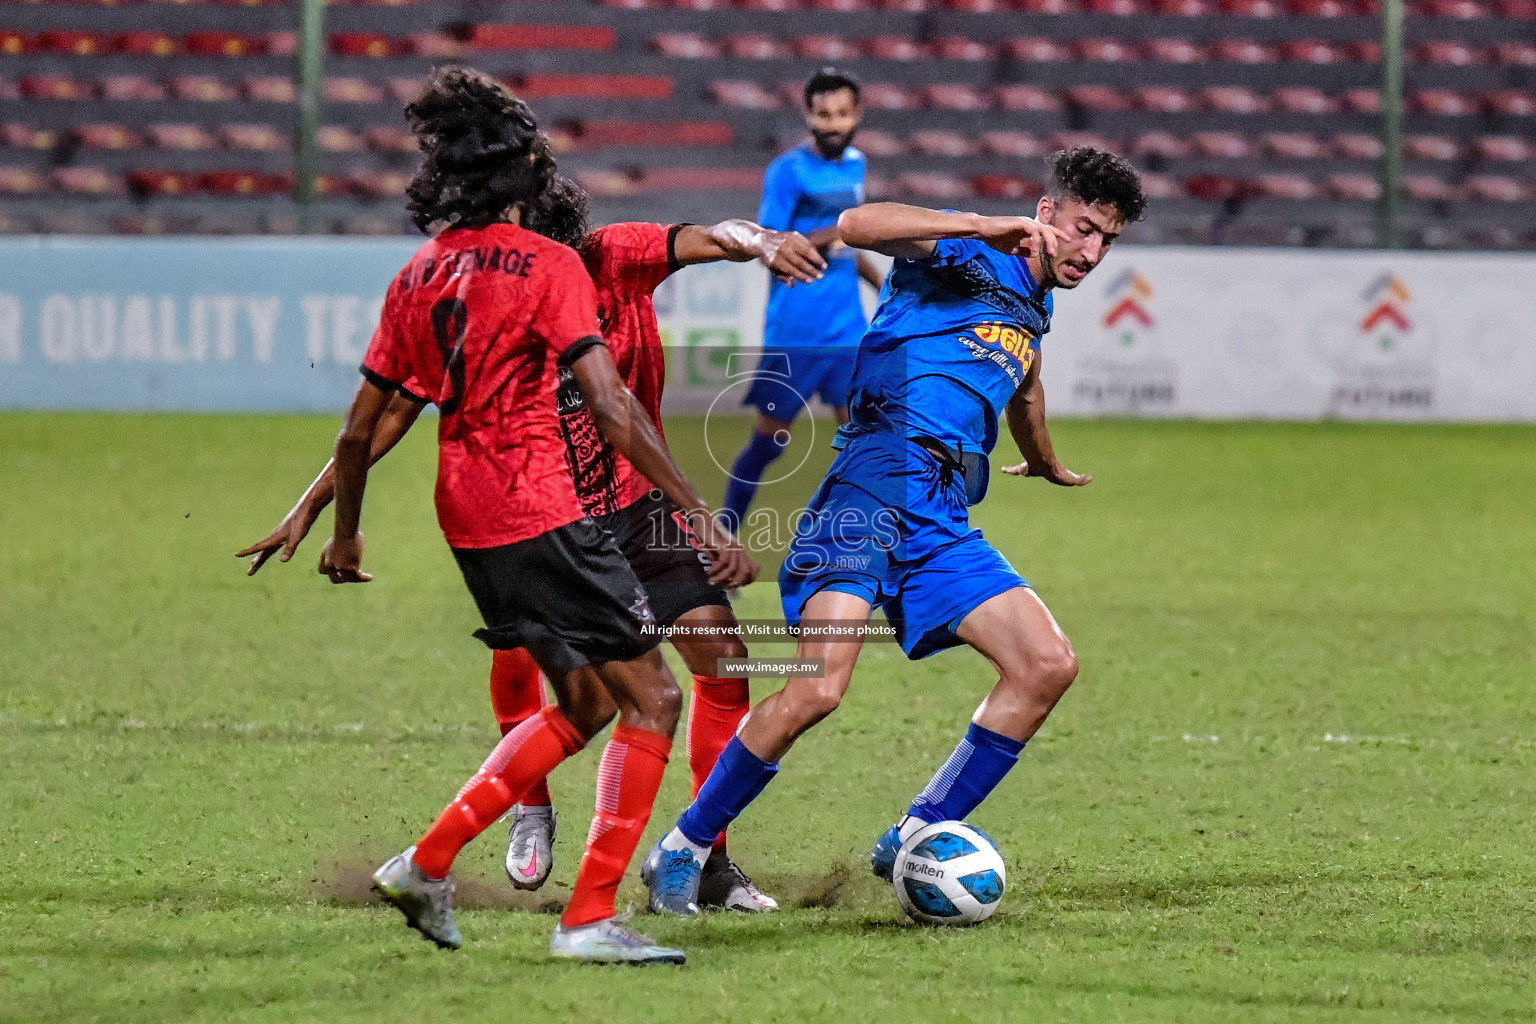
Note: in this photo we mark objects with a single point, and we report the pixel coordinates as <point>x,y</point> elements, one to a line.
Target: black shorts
<point>568,596</point>
<point>664,556</point>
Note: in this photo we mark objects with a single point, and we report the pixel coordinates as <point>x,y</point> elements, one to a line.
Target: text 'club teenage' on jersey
<point>480,322</point>
<point>804,191</point>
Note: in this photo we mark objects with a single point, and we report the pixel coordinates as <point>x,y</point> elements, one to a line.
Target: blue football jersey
<point>804,192</point>
<point>951,342</point>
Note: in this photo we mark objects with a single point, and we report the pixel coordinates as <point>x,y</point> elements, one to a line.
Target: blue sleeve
<point>781,194</point>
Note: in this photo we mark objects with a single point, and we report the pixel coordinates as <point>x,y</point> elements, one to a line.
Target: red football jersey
<point>627,262</point>
<point>480,321</point>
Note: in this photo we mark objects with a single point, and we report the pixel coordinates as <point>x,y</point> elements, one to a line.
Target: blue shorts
<point>787,379</point>
<point>889,524</point>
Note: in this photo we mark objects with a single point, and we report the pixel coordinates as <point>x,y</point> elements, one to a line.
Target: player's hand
<point>341,560</point>
<point>790,257</point>
<point>284,539</point>
<point>1056,473</point>
<point>1019,236</point>
<point>729,564</point>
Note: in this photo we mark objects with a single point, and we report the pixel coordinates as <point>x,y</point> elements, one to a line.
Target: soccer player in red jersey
<point>486,320</point>
<point>627,262</point>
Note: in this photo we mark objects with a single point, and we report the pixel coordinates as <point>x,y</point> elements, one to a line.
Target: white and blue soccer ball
<point>949,873</point>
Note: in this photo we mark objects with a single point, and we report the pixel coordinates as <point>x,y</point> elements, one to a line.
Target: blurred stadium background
<point>1257,122</point>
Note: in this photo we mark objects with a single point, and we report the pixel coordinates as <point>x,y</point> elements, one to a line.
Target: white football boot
<point>530,846</point>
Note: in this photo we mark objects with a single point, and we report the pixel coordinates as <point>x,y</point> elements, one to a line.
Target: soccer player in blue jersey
<point>810,331</point>
<point>954,346</point>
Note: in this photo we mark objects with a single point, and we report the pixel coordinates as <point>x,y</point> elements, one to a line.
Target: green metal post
<point>1388,235</point>
<point>311,64</point>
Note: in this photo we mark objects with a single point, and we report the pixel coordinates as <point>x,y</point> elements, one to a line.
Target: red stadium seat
<point>1016,144</point>
<point>1222,145</point>
<point>73,41</point>
<point>367,44</point>
<point>1251,8</point>
<point>161,183</point>
<point>1095,97</point>
<point>1515,54</point>
<point>1463,9</point>
<point>335,138</point>
<point>728,179</point>
<point>1286,186</point>
<point>144,44</point>
<point>955,97</point>
<point>1496,188</point>
<point>21,181</point>
<point>1452,52</point>
<point>1106,50</point>
<point>892,48</point>
<point>1509,103</point>
<point>271,89</point>
<point>840,5</point>
<point>1162,99</point>
<point>1441,103</point>
<point>180,136</point>
<point>351,90</point>
<point>754,46</point>
<point>1243,51</point>
<point>543,37</point>
<point>875,142</point>
<point>1354,186</point>
<point>903,6</point>
<point>960,48</point>
<point>1311,51</point>
<point>87,181</point>
<point>684,45</point>
<point>1160,144</point>
<point>1366,51</point>
<point>1504,148</point>
<point>1174,51</point>
<point>1292,146</point>
<point>1184,8</point>
<point>258,137</point>
<point>53,87</point>
<point>380,184</point>
<point>131,87</point>
<point>222,44</point>
<point>634,5</point>
<point>1431,147</point>
<point>770,5</point>
<point>25,136</point>
<point>435,44</point>
<point>1233,99</point>
<point>1006,186</point>
<point>1123,8</point>
<point>672,134</point>
<point>106,136</point>
<point>1035,50</point>
<point>975,6</point>
<point>201,88</point>
<point>932,185</point>
<point>1025,98</point>
<point>823,47</point>
<point>1360,101</point>
<point>1427,188</point>
<point>748,95</point>
<point>890,97</point>
<point>1160,186</point>
<point>1356,146</point>
<point>283,44</point>
<point>942,143</point>
<point>607,183</point>
<point>1047,6</point>
<point>1515,9</point>
<point>1318,8</point>
<point>1216,187</point>
<point>701,5</point>
<point>1071,140</point>
<point>614,87</point>
<point>15,43</point>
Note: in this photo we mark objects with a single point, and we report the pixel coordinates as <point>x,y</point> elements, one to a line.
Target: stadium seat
<point>1174,51</point>
<point>875,142</point>
<point>1356,146</point>
<point>942,143</point>
<point>269,89</point>
<point>87,181</point>
<point>1496,188</point>
<point>1286,186</point>
<point>180,136</point>
<point>389,139</point>
<point>892,48</point>
<point>242,183</point>
<point>1514,54</point>
<point>201,88</point>
<point>1447,51</point>
<point>131,87</point>
<point>1360,101</point>
<point>1160,144</point>
<point>701,5</point>
<point>1431,147</point>
<point>1426,188</point>
<point>1034,50</point>
<point>256,137</point>
<point>823,47</point>
<point>1362,187</point>
<point>890,97</point>
<point>674,134</point>
<point>13,44</point>
<point>1104,50</point>
<point>1015,144</point>
<point>1121,8</point>
<point>1216,187</point>
<point>221,44</point>
<point>1162,99</point>
<point>367,44</point>
<point>1160,186</point>
<point>1047,6</point>
<point>1184,8</point>
<point>955,97</point>
<point>1509,103</point>
<point>1365,51</point>
<point>607,183</point>
<point>280,44</point>
<point>1441,103</point>
<point>1515,9</point>
<point>1311,51</point>
<point>1504,148</point>
<point>435,44</point>
<point>932,185</point>
<point>491,37</point>
<point>1070,140</point>
<point>962,49</point>
<point>1318,8</point>
<point>144,44</point>
<point>145,183</point>
<point>596,87</point>
<point>106,136</point>
<point>21,181</point>
<point>770,5</point>
<point>351,90</point>
<point>26,136</point>
<point>72,41</point>
<point>1095,97</point>
<point>380,184</point>
<point>1243,51</point>
<point>1006,186</point>
<point>1233,99</point>
<point>749,95</point>
<point>903,6</point>
<point>53,87</point>
<point>1025,98</point>
<point>335,138</point>
<point>975,6</point>
<point>684,45</point>
<point>402,90</point>
<point>685,179</point>
<point>634,5</point>
<point>1462,9</point>
<point>1292,146</point>
<point>1222,145</point>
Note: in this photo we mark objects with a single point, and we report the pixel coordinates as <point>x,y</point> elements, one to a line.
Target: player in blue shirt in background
<point>954,345</point>
<point>810,331</point>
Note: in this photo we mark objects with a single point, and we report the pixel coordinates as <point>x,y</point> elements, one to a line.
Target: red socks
<point>627,781</point>
<point>714,713</point>
<point>517,694</point>
<point>524,756</point>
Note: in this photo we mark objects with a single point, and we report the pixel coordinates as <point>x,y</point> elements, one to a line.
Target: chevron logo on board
<point>1386,299</point>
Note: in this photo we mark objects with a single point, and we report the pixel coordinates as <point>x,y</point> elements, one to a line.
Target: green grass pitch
<point>1293,783</point>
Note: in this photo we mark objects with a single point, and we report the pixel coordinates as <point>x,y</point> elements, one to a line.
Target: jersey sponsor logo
<point>1004,345</point>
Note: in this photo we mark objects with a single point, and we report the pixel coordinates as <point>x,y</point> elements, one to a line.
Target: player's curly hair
<point>1094,176</point>
<point>559,213</point>
<point>484,151</point>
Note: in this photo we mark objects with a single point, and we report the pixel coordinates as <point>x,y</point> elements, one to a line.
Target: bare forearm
<point>871,273</point>
<point>350,471</point>
<point>900,230</point>
<point>1026,422</point>
<point>395,424</point>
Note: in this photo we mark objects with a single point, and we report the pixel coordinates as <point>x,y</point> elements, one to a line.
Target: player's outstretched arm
<point>285,538</point>
<point>1026,422</point>
<point>788,255</point>
<point>342,557</point>
<point>909,232</point>
<point>626,425</point>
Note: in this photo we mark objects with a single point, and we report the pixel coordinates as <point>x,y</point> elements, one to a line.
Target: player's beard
<point>832,144</point>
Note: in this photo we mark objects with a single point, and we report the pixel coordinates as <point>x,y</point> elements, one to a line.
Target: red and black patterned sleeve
<point>567,314</point>
<point>645,254</point>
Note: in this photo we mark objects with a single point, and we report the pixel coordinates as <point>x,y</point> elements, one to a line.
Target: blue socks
<point>745,474</point>
<point>738,777</point>
<point>972,771</point>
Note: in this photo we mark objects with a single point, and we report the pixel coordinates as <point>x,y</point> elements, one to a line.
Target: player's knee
<point>816,700</point>
<point>663,702</point>
<point>1057,667</point>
